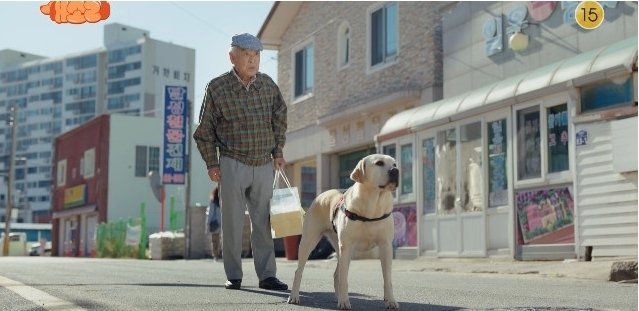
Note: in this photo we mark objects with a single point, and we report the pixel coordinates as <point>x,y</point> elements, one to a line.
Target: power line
<point>200,19</point>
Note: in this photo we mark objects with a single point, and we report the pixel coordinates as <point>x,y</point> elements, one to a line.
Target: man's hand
<point>279,163</point>
<point>214,174</point>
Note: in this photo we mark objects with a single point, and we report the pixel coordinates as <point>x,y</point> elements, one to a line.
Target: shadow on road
<point>327,301</point>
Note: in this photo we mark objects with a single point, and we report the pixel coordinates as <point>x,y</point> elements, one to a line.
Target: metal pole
<point>12,165</point>
<point>187,222</point>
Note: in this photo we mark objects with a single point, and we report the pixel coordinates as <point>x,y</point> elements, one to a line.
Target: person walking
<point>240,138</point>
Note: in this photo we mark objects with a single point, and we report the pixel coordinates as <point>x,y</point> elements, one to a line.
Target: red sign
<point>541,10</point>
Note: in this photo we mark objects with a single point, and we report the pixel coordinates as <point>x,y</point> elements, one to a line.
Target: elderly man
<point>243,117</point>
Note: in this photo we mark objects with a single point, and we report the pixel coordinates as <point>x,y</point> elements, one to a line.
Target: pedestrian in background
<point>214,224</point>
<point>243,116</point>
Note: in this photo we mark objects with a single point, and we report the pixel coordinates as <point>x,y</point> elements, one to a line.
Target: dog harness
<point>341,206</point>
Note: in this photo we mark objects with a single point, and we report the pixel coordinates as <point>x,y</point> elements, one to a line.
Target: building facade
<point>523,156</point>
<point>101,176</point>
<point>344,68</point>
<point>55,95</point>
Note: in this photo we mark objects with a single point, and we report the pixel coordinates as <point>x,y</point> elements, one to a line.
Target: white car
<point>34,249</point>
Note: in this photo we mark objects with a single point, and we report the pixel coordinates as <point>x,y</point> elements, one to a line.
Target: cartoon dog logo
<point>76,12</point>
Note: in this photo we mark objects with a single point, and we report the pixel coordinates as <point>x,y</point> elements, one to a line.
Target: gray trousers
<point>251,186</point>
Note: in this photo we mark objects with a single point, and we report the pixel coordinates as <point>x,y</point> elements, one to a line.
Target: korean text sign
<point>175,132</point>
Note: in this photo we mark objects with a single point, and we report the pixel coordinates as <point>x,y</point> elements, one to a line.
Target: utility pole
<point>12,166</point>
<point>187,222</point>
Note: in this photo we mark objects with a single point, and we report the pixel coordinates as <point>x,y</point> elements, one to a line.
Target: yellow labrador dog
<point>354,220</point>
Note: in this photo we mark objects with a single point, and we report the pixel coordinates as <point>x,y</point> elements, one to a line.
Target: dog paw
<point>391,304</point>
<point>344,305</point>
<point>293,300</point>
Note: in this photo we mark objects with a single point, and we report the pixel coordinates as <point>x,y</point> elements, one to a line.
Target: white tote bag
<point>286,209</point>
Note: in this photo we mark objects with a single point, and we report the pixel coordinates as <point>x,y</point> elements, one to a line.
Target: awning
<point>578,70</point>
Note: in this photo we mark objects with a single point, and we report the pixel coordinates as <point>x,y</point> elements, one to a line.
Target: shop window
<point>428,175</point>
<point>347,164</point>
<point>528,144</point>
<point>471,165</point>
<point>608,94</point>
<point>497,159</point>
<point>390,150</point>
<point>406,169</point>
<point>446,168</point>
<point>557,138</point>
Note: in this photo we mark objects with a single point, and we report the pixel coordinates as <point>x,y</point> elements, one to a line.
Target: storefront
<point>497,170</point>
<point>77,223</point>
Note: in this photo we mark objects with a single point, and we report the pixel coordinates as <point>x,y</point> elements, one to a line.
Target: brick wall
<point>418,65</point>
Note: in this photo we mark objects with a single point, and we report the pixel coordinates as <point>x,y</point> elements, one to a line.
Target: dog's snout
<point>393,175</point>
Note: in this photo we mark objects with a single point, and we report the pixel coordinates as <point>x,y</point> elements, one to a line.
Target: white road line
<point>38,297</point>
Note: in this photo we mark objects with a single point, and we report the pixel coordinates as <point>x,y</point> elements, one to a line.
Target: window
<point>384,35</point>
<point>542,129</point>
<point>119,86</point>
<point>83,62</point>
<point>89,163</point>
<point>390,150</point>
<point>146,159</point>
<point>304,71</point>
<point>119,71</point>
<point>529,140</point>
<point>471,165</point>
<point>309,185</point>
<point>120,55</point>
<point>428,174</point>
<point>557,138</point>
<point>344,45</point>
<point>406,167</point>
<point>446,167</point>
<point>347,163</point>
<point>62,173</point>
<point>497,159</point>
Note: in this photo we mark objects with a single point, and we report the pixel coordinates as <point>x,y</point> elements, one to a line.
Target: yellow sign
<point>589,14</point>
<point>75,196</point>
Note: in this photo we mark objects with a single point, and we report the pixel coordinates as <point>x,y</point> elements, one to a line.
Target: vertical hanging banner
<point>175,132</point>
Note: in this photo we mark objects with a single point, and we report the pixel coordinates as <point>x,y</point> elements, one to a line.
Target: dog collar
<point>341,206</point>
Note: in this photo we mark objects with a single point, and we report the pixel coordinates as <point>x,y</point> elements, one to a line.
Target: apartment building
<point>54,95</point>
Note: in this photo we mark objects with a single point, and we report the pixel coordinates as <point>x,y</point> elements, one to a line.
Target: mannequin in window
<point>474,186</point>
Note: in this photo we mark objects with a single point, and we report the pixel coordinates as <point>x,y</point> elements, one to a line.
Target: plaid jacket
<point>246,124</point>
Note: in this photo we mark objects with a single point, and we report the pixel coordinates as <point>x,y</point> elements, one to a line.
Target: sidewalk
<point>591,270</point>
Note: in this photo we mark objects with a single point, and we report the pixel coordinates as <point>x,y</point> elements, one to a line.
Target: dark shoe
<point>233,284</point>
<point>273,283</point>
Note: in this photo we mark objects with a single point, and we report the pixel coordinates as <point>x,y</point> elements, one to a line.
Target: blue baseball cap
<point>247,41</point>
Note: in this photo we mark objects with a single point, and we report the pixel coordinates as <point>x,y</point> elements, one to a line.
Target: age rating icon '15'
<point>589,14</point>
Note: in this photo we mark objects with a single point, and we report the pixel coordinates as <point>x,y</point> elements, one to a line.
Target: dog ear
<point>358,173</point>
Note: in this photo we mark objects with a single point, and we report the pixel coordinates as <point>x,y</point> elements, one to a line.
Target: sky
<point>206,26</point>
